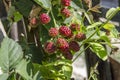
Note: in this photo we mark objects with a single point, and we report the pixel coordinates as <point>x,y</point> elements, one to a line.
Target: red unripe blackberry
<point>49,47</point>
<point>65,31</point>
<point>70,36</point>
<point>75,27</point>
<point>80,36</point>
<point>74,46</point>
<point>53,32</point>
<point>66,2</point>
<point>65,12</point>
<point>33,21</point>
<point>62,44</point>
<point>44,18</point>
<point>68,55</point>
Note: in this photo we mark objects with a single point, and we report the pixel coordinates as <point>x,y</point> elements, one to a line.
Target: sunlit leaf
<point>109,26</point>
<point>99,50</point>
<point>89,17</point>
<point>67,70</point>
<point>111,12</point>
<point>17,16</point>
<point>105,38</point>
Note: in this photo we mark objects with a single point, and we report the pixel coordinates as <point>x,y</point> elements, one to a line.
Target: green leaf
<point>36,70</point>
<point>37,76</point>
<point>105,38</point>
<point>24,68</point>
<point>94,25</point>
<point>68,20</point>
<point>77,4</point>
<point>114,33</point>
<point>4,76</point>
<point>58,70</point>
<point>24,7</point>
<point>12,13</point>
<point>63,62</point>
<point>109,26</point>
<point>46,72</point>
<point>74,5</point>
<point>44,3</point>
<point>76,18</point>
<point>12,76</point>
<point>111,12</point>
<point>91,31</point>
<point>89,17</point>
<point>17,16</point>
<point>99,50</point>
<point>67,71</point>
<point>10,55</point>
<point>44,35</point>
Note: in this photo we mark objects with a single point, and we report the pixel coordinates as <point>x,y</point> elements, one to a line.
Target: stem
<point>24,26</point>
<point>11,24</point>
<point>53,19</point>
<point>79,54</point>
<point>15,76</point>
<point>84,11</point>
<point>37,36</point>
<point>81,3</point>
<point>92,71</point>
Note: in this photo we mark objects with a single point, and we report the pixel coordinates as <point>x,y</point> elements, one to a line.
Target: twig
<point>2,28</point>
<point>7,4</point>
<point>80,53</point>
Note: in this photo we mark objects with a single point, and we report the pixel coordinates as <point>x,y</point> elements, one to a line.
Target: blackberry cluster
<point>65,38</point>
